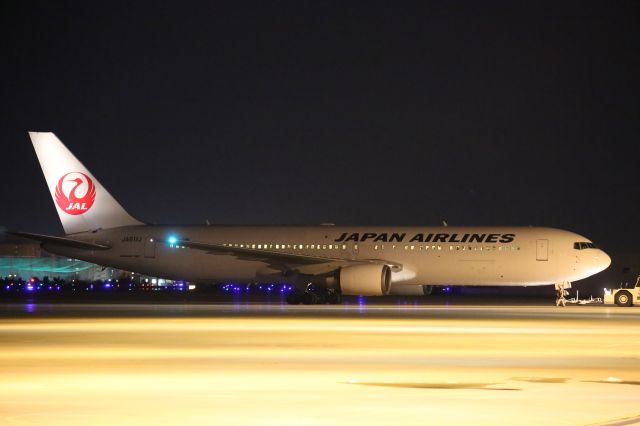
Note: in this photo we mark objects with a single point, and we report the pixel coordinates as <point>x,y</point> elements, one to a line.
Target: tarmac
<point>271,363</point>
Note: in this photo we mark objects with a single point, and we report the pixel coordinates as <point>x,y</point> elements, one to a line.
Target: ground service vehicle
<point>623,296</point>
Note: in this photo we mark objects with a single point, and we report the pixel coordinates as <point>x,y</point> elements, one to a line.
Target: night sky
<point>346,112</point>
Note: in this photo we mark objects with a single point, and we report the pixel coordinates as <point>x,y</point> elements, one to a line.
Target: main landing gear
<point>314,296</point>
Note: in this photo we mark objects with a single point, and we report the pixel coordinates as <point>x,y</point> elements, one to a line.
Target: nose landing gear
<point>561,292</point>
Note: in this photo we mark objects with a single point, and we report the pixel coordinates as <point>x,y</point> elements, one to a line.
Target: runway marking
<point>620,422</point>
<point>616,382</point>
<point>541,379</point>
<point>477,386</point>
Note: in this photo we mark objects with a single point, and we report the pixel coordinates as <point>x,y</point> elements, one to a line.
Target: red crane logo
<point>75,199</point>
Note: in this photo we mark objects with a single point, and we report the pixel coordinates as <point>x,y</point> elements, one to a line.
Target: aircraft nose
<point>602,260</point>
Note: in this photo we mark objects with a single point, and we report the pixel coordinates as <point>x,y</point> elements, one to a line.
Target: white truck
<point>623,296</point>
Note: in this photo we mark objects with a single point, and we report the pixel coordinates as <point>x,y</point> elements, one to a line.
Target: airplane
<point>323,261</point>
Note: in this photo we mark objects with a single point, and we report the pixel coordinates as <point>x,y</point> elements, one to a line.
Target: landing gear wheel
<point>334,298</point>
<point>624,298</point>
<point>427,290</point>
<point>294,297</point>
<point>310,298</point>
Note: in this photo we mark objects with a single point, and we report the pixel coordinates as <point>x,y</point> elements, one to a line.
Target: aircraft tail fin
<point>83,204</point>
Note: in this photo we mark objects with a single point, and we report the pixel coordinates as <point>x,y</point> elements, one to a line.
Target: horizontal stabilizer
<point>60,241</point>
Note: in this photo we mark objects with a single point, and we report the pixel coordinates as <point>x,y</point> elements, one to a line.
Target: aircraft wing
<point>285,261</point>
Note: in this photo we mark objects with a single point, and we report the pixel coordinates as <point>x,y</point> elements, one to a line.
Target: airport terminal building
<point>24,265</point>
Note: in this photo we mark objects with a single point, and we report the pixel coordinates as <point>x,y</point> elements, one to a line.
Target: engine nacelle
<point>365,280</point>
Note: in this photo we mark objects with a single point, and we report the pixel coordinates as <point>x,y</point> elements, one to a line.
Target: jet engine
<point>365,280</point>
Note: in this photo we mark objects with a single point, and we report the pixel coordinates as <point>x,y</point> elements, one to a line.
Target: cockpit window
<point>583,245</point>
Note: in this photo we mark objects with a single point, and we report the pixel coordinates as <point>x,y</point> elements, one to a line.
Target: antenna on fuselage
<point>444,223</point>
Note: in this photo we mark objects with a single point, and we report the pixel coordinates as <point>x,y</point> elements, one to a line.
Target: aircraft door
<point>542,250</point>
<point>149,247</point>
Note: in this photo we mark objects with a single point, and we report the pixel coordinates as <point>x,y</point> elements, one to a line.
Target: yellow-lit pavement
<point>481,366</point>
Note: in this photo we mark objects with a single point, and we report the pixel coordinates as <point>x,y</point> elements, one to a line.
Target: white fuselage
<point>508,256</point>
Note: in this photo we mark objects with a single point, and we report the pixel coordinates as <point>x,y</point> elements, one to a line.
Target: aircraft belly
<point>183,264</point>
<point>484,272</point>
<point>203,267</point>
